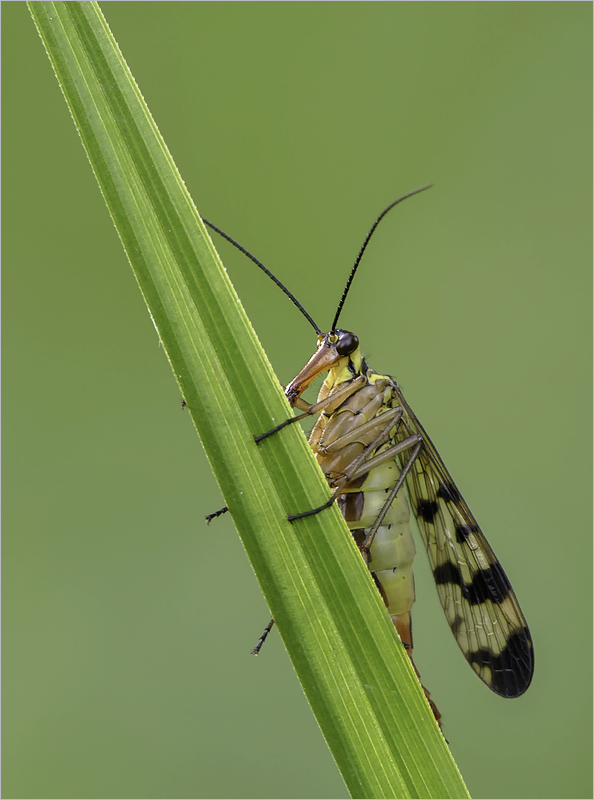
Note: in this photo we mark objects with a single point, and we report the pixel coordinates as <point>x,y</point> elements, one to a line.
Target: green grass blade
<point>353,670</point>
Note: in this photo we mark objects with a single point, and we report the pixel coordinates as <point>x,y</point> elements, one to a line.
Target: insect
<point>374,452</point>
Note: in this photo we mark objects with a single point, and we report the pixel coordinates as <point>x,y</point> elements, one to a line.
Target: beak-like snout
<point>325,357</point>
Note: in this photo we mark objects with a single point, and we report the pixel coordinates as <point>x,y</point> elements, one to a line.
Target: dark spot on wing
<point>495,581</point>
<point>511,670</point>
<point>487,584</point>
<point>427,510</point>
<point>448,492</point>
<point>456,625</point>
<point>464,531</point>
<point>447,573</point>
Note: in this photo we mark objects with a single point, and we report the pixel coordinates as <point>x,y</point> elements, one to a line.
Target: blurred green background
<point>127,622</point>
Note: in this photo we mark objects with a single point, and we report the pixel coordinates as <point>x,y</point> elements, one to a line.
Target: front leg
<point>328,403</point>
<point>360,465</point>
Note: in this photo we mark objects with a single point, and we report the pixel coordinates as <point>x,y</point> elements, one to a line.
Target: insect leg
<point>262,638</point>
<point>316,408</point>
<point>334,400</point>
<point>216,514</point>
<point>382,423</point>
<point>360,464</point>
<point>258,439</point>
<point>416,442</point>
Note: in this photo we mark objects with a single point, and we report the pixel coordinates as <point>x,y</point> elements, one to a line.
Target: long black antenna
<point>267,271</point>
<point>365,243</point>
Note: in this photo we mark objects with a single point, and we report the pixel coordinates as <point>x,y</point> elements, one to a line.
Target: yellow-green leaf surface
<point>351,665</point>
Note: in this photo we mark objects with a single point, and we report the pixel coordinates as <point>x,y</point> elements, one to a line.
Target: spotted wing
<point>476,595</point>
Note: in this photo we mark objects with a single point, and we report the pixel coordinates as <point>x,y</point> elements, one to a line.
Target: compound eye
<point>347,343</point>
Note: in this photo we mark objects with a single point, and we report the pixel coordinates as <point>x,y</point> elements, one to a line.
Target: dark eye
<point>347,343</point>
